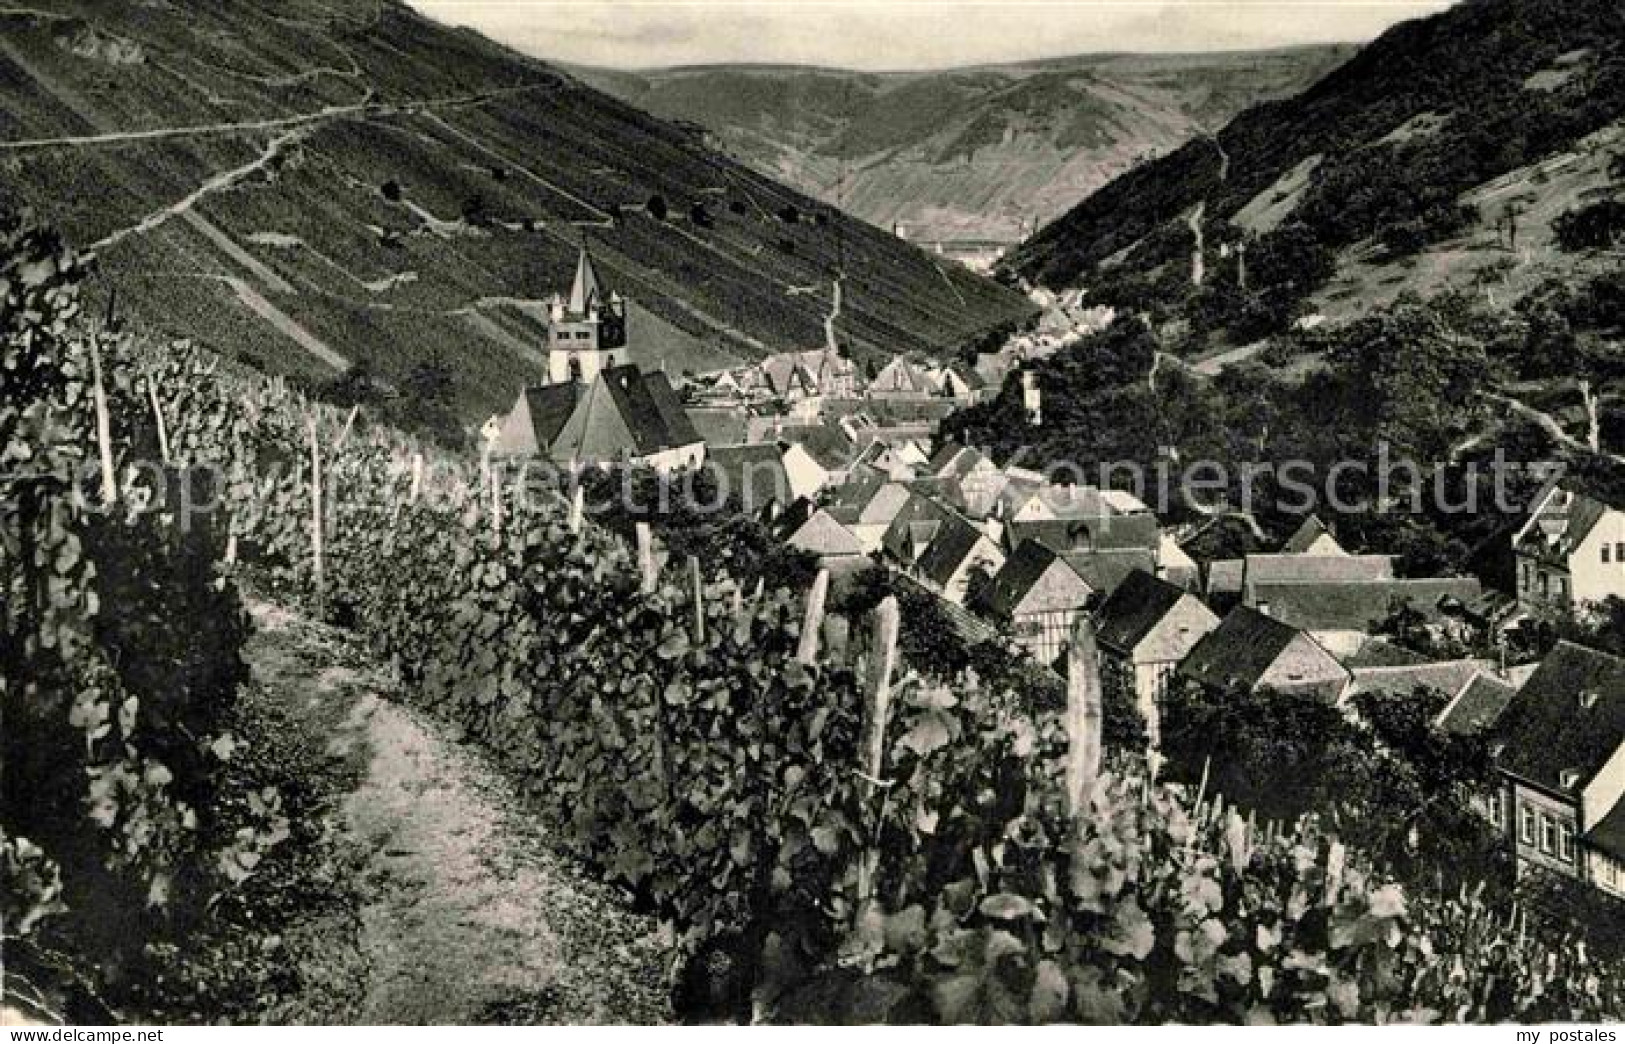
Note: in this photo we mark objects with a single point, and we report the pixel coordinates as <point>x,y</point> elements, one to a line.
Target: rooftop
<point>1477,707</point>
<point>1134,609</point>
<point>1361,605</point>
<point>1568,717</point>
<point>1239,652</point>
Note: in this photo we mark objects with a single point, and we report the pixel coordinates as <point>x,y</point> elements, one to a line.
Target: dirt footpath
<point>469,914</point>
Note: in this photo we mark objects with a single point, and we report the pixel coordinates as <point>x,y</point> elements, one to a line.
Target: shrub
<point>1595,226</point>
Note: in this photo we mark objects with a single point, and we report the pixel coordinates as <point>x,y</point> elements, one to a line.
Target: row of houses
<point>843,469</point>
<point>805,384</point>
<point>1559,744</point>
<point>1000,545</point>
<point>1305,619</point>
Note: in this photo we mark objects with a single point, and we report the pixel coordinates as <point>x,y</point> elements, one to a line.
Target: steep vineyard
<point>318,193</point>
<point>830,840</point>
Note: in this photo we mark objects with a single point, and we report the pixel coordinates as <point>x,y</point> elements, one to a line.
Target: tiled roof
<point>1311,530</point>
<point>597,431</point>
<point>971,629</point>
<point>1290,569</point>
<point>915,525</point>
<point>1104,571</point>
<point>823,535</point>
<point>674,428</point>
<point>1448,677</point>
<point>1477,707</point>
<point>1104,533</point>
<point>1562,522</point>
<point>1239,651</point>
<point>948,549</point>
<point>1379,652</point>
<point>945,491</point>
<point>549,406</point>
<point>1569,716</point>
<point>1025,570</point>
<point>1123,502</point>
<point>624,412</point>
<point>1359,606</point>
<point>900,376</point>
<point>1134,609</point>
<point>826,443</point>
<point>891,412</point>
<point>751,475</point>
<point>1608,834</point>
<point>956,461</point>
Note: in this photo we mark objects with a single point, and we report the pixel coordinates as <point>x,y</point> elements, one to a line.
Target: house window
<point>1545,585</point>
<point>1548,834</point>
<point>1526,824</point>
<point>1563,588</point>
<point>1498,810</point>
<point>1619,551</point>
<point>1565,842</point>
<point>1609,872</point>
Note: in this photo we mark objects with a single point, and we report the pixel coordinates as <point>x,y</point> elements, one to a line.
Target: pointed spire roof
<point>584,292</point>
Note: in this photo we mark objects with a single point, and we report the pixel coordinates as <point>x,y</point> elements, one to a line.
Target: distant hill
<point>311,186</point>
<point>966,153</point>
<point>1444,154</point>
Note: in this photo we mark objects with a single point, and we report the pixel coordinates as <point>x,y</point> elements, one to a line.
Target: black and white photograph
<point>670,513</point>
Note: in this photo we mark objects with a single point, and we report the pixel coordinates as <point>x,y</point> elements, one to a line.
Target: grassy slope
<point>966,152</point>
<point>386,282</point>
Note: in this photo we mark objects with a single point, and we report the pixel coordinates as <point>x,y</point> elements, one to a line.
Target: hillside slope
<point>971,153</point>
<point>1396,171</point>
<point>310,188</point>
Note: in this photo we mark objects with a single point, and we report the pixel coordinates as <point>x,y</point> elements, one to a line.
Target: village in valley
<point>603,516</point>
<point>846,466</point>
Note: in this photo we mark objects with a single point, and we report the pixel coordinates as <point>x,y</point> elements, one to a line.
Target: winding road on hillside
<point>369,108</point>
<point>469,914</point>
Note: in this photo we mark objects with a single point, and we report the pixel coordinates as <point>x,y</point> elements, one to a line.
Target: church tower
<point>586,333</point>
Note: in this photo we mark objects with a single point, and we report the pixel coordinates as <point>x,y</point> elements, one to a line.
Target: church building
<point>586,333</point>
<point>596,408</point>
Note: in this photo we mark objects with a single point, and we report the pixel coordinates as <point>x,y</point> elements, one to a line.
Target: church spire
<point>584,292</point>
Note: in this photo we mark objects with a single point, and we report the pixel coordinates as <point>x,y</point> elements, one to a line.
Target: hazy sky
<point>906,34</point>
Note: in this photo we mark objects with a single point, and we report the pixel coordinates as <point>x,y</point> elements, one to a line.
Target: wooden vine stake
<point>104,424</point>
<point>696,584</point>
<point>1083,717</point>
<point>318,570</point>
<point>344,433</point>
<point>807,652</point>
<point>646,557</point>
<point>158,418</point>
<point>578,509</point>
<point>417,476</point>
<point>494,481</point>
<point>876,714</point>
<point>741,618</point>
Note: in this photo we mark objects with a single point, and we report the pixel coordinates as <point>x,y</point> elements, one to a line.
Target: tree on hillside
<point>428,399</point>
<point>1407,378</point>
